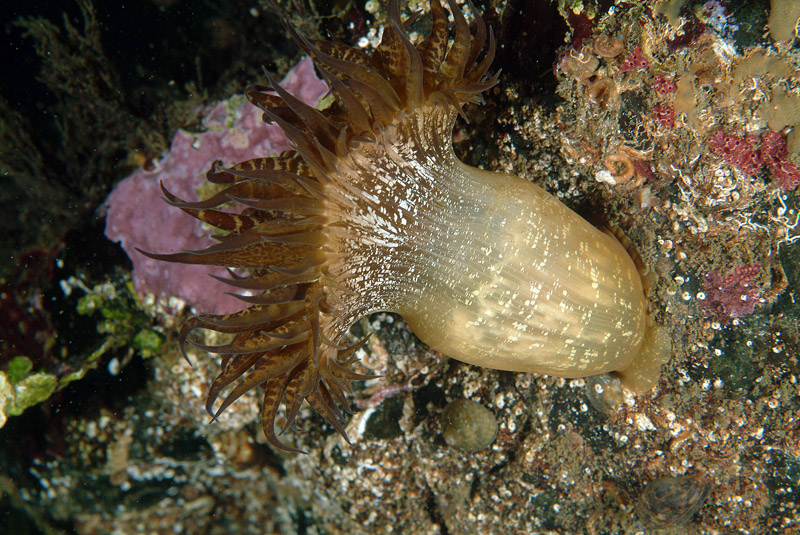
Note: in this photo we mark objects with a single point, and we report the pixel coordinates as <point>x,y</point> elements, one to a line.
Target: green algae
<point>120,319</point>
<point>21,389</point>
<point>148,342</point>
<point>18,369</point>
<point>19,395</point>
<point>115,313</point>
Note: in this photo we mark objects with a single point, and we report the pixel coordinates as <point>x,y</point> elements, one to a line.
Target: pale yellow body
<point>488,268</point>
<point>539,289</point>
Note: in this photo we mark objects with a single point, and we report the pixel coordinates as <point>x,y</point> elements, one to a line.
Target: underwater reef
<point>673,123</point>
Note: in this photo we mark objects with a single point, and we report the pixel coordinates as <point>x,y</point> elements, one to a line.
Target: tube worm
<point>372,211</point>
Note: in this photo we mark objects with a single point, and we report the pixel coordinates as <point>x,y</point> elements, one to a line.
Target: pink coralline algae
<point>137,216</point>
<point>742,153</point>
<point>776,158</point>
<point>732,295</point>
<point>737,151</point>
<point>634,60</point>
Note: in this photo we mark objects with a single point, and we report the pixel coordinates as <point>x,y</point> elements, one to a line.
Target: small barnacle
<point>579,65</point>
<point>672,501</point>
<point>621,166</point>
<point>602,90</point>
<point>607,46</point>
<point>583,66</point>
<point>468,425</point>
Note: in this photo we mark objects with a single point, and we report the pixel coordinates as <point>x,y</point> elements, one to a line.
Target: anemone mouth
<point>291,247</point>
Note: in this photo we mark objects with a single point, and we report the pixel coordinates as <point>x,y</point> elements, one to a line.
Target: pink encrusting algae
<point>138,217</point>
<point>734,294</point>
<point>742,153</point>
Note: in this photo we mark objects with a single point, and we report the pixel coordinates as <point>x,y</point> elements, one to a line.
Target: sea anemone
<point>372,211</point>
